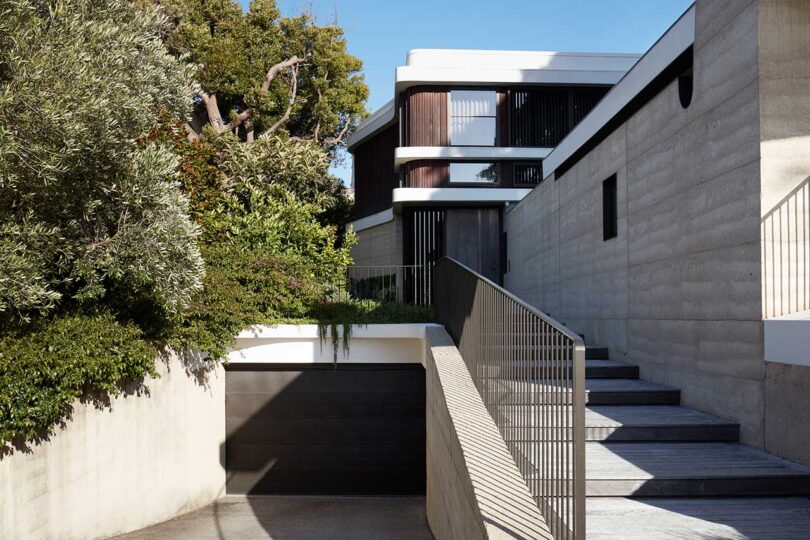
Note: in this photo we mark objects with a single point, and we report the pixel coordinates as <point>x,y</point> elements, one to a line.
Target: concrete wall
<point>784,59</point>
<point>679,290</point>
<point>105,472</point>
<point>464,499</point>
<point>380,245</point>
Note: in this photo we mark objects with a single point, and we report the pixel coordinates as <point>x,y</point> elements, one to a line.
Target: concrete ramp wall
<point>474,489</point>
<point>145,459</point>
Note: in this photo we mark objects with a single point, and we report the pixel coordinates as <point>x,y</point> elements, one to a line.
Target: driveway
<point>239,517</point>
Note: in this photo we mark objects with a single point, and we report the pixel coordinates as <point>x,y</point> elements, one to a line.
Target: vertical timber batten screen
<point>530,373</point>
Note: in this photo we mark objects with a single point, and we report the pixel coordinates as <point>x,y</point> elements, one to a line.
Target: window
<point>481,173</point>
<point>610,209</point>
<point>685,88</point>
<point>527,173</point>
<point>472,117</point>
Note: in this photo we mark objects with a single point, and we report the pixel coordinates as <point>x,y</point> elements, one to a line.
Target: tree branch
<point>293,62</point>
<point>191,135</point>
<point>339,139</point>
<point>212,108</point>
<point>293,93</point>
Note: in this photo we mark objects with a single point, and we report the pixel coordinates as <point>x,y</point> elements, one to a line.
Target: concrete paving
<point>277,517</point>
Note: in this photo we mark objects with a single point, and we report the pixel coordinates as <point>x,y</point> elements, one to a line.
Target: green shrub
<point>48,364</point>
<point>368,312</point>
<point>242,288</point>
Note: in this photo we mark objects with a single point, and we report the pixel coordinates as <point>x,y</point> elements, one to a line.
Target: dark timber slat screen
<point>541,117</point>
<point>374,175</point>
<point>428,174</point>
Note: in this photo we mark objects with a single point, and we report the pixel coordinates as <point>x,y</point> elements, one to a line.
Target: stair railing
<point>530,372</point>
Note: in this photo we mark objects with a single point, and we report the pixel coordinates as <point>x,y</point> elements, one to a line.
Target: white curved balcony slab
<point>478,196</point>
<point>404,154</point>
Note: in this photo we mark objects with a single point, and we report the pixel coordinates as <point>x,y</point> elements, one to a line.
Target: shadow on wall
<point>786,254</point>
<point>321,430</point>
<point>195,365</point>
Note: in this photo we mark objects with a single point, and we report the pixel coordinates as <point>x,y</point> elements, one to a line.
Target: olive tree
<point>90,208</point>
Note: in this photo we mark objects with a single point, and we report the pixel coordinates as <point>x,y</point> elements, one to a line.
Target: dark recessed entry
<point>610,208</point>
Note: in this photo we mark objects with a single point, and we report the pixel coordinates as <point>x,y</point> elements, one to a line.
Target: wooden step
<point>594,369</point>
<point>598,392</point>
<point>611,423</point>
<point>705,469</point>
<point>629,392</point>
<point>609,369</point>
<point>698,519</point>
<point>596,352</point>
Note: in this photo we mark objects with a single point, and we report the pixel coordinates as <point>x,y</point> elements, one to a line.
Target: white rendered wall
<point>301,344</point>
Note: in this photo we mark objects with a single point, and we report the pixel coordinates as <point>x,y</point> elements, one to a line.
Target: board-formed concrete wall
<point>679,290</point>
<point>784,59</point>
<point>379,245</point>
<point>108,471</point>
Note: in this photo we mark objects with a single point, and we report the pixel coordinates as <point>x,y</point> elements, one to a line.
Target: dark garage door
<point>354,430</point>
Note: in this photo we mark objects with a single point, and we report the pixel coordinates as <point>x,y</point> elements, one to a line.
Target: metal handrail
<point>530,372</point>
<point>408,284</point>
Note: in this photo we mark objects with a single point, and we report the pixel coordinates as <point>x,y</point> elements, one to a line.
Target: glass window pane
<point>472,103</point>
<point>472,117</point>
<point>474,172</point>
<point>472,131</point>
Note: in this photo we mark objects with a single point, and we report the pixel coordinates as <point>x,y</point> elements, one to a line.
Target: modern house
<point>665,219</point>
<point>616,251</point>
<point>465,135</point>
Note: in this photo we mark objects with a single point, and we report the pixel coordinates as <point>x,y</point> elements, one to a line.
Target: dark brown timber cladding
<point>428,174</point>
<point>374,175</point>
<point>355,430</point>
<point>435,173</point>
<point>426,117</point>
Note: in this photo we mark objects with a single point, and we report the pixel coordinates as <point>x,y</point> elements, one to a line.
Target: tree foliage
<point>88,210</point>
<point>261,72</point>
<point>268,255</point>
<point>108,213</point>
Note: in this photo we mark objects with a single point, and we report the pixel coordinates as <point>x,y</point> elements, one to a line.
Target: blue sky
<point>381,32</point>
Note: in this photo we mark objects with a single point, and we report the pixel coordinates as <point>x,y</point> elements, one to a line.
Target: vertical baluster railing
<point>530,372</point>
<point>785,236</point>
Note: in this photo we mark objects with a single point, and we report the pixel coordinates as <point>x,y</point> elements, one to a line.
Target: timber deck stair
<point>656,469</point>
